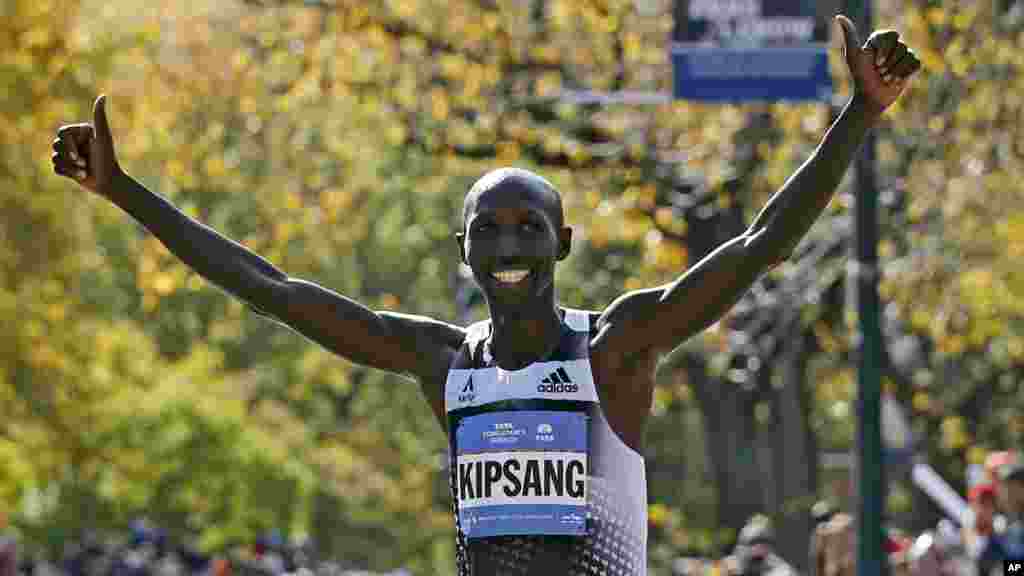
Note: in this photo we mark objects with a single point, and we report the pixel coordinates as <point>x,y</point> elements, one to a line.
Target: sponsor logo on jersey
<point>558,382</point>
<point>468,392</point>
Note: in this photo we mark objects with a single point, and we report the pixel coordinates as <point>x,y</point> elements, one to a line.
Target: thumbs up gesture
<point>880,67</point>
<point>85,152</point>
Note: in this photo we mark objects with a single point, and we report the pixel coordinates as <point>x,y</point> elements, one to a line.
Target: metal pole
<point>872,559</point>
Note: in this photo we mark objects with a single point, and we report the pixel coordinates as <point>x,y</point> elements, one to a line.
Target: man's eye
<point>531,226</point>
<point>482,227</point>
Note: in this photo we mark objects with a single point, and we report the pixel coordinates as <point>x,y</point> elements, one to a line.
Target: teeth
<point>510,276</point>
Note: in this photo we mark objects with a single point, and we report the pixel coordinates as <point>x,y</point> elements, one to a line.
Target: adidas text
<point>557,388</point>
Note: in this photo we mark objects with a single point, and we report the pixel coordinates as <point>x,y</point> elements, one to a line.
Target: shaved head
<point>513,222</point>
<point>515,180</point>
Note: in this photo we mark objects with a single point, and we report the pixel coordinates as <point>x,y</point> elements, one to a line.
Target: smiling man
<point>544,406</point>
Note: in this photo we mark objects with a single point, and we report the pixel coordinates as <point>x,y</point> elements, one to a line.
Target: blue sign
<point>521,473</point>
<point>743,50</point>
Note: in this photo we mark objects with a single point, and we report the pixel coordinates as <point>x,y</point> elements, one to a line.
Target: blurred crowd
<point>991,531</point>
<point>148,551</point>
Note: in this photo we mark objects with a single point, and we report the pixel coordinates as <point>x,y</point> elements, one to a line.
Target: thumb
<point>851,39</point>
<point>100,124</point>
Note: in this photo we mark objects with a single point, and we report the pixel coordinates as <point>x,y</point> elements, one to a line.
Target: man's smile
<point>510,277</point>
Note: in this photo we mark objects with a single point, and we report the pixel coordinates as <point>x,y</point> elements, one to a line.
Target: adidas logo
<point>557,381</point>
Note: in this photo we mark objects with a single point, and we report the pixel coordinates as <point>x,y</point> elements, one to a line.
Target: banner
<point>744,50</point>
<point>929,481</point>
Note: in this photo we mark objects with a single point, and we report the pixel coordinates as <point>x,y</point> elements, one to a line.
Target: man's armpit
<point>433,342</point>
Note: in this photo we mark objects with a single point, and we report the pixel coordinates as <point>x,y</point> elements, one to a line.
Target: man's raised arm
<point>411,345</point>
<point>662,318</point>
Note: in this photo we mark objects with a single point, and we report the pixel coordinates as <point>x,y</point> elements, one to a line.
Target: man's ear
<point>564,242</point>
<point>460,238</point>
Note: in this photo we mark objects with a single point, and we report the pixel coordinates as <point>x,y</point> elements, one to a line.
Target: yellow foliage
<point>194,109</point>
<point>976,455</point>
<point>657,514</point>
<point>954,433</point>
<point>670,257</point>
<point>921,402</point>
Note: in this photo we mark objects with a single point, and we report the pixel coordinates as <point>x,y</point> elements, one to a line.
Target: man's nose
<point>508,245</point>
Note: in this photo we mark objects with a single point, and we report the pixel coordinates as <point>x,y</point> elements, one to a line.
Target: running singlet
<point>540,483</point>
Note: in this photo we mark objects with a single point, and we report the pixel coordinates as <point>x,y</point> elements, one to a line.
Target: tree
<point>337,139</point>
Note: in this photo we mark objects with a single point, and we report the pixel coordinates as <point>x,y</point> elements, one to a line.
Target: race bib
<point>522,473</point>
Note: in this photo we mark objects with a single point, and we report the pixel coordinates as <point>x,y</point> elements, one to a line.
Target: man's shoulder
<point>578,317</point>
<point>434,341</point>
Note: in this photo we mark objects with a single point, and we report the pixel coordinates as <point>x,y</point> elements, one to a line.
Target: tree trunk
<point>730,435</point>
<point>324,523</point>
<point>762,468</point>
<point>795,452</point>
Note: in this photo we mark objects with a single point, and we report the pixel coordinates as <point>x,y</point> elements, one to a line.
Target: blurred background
<point>142,410</point>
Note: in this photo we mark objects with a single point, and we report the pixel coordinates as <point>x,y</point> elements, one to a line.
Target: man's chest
<point>622,387</point>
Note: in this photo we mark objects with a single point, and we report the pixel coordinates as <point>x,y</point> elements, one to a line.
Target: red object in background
<point>981,491</point>
<point>221,567</point>
<point>983,501</point>
<point>896,544</point>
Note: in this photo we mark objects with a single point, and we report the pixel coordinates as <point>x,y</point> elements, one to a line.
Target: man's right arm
<point>406,344</point>
<point>401,343</point>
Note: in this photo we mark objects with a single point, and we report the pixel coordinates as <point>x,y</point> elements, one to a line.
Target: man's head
<point>995,461</point>
<point>755,544</point>
<point>822,512</point>
<point>513,233</point>
<point>1011,488</point>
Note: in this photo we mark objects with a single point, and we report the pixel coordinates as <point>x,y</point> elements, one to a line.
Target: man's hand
<point>85,152</point>
<point>880,67</point>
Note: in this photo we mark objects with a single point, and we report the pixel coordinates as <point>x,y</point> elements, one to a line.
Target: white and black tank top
<point>540,483</point>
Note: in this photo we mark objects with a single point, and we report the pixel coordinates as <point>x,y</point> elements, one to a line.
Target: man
<point>993,466</point>
<point>980,526</point>
<point>821,514</point>
<point>1009,543</point>
<point>897,545</point>
<point>544,407</point>
<point>834,547</point>
<point>754,554</point>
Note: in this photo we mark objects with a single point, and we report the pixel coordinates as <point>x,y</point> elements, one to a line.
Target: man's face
<point>1012,492</point>
<point>754,556</point>
<point>512,241</point>
<point>984,508</point>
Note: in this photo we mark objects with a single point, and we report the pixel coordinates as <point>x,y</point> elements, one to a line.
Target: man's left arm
<point>661,318</point>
